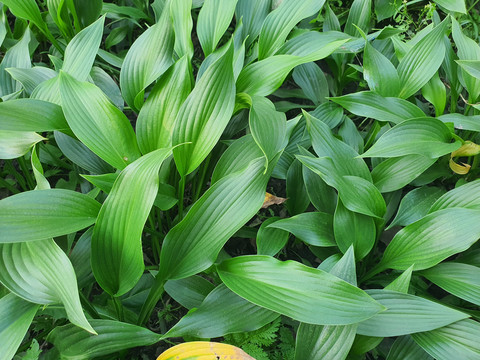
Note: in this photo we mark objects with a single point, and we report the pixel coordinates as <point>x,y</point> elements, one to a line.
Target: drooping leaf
<point>41,214</point>
<point>298,291</point>
<point>14,144</point>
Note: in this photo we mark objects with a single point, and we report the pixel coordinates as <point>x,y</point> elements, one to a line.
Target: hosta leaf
<point>204,350</point>
<point>253,16</point>
<point>17,315</point>
<point>81,51</point>
<point>422,61</point>
<point>44,276</point>
<point>213,318</point>
<point>404,348</point>
<point>97,123</point>
<point>42,182</point>
<point>213,20</point>
<point>379,72</point>
<point>402,282</point>
<point>453,5</point>
<point>313,228</point>
<point>148,58</point>
<point>375,106</point>
<point>113,336</point>
<point>297,197</point>
<point>472,67</point>
<point>435,93</point>
<point>426,136</point>
<point>14,144</point>
<point>312,81</point>
<point>329,113</point>
<point>461,280</point>
<point>462,122</point>
<point>395,173</point>
<point>31,78</point>
<point>117,257</point>
<point>80,258</point>
<point>26,9</point>
<point>271,240</point>
<point>182,25</point>
<point>204,114</point>
<point>41,214</point>
<point>406,314</point>
<point>432,239</point>
<point>359,14</point>
<point>31,115</point>
<point>465,196</point>
<point>189,292</point>
<point>281,21</point>
<point>88,12</point>
<point>415,205</point>
<point>105,82</point>
<point>156,119</point>
<point>298,291</point>
<point>457,340</point>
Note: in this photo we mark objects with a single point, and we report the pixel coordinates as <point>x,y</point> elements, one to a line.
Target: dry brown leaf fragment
<point>272,200</point>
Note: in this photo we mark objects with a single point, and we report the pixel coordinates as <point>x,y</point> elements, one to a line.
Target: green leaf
<point>156,119</point>
<point>204,114</point>
<point>148,58</point>
<point>461,280</point>
<point>42,182</point>
<point>432,239</point>
<point>113,336</point>
<point>372,105</point>
<point>458,340</point>
<point>181,12</point>
<point>379,72</point>
<point>359,15</point>
<point>313,228</point>
<point>213,20</point>
<point>395,173</point>
<point>213,318</point>
<point>271,240</point>
<point>17,315</point>
<point>30,78</point>
<point>465,196</point>
<point>298,291</point>
<point>426,136</point>
<point>422,61</point>
<point>117,256</point>
<point>402,282</point>
<point>14,144</point>
<point>281,21</point>
<point>80,258</point>
<point>312,81</point>
<point>406,314</point>
<point>44,276</point>
<point>26,9</point>
<point>81,51</point>
<point>253,15</point>
<point>404,348</point>
<point>189,292</point>
<point>41,214</point>
<point>31,115</point>
<point>329,113</point>
<point>472,67</point>
<point>96,122</point>
<point>88,12</point>
<point>435,93</point>
<point>297,197</point>
<point>415,205</point>
<point>453,5</point>
<point>462,122</point>
<point>384,9</point>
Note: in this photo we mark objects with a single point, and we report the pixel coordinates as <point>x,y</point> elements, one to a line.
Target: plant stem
<point>154,296</point>
<point>18,177</point>
<point>88,306</point>
<point>472,6</point>
<point>199,187</point>
<point>153,236</point>
<point>118,308</point>
<point>181,193</point>
<point>26,173</point>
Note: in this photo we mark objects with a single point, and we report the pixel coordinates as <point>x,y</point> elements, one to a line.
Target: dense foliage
<point>298,178</point>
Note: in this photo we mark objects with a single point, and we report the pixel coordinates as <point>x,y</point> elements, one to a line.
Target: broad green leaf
<point>461,280</point>
<point>44,276</point>
<point>213,318</point>
<point>453,5</point>
<point>465,196</point>
<point>359,15</point>
<point>305,294</point>
<point>271,240</point>
<point>406,314</point>
<point>204,114</point>
<point>81,51</point>
<point>17,315</point>
<point>313,228</point>
<point>253,16</point>
<point>372,105</point>
<point>402,282</point>
<point>350,134</point>
<point>105,82</point>
<point>17,56</point>
<point>41,214</point>
<point>213,20</point>
<point>30,78</point>
<point>460,340</point>
<point>117,256</point>
<point>432,239</point>
<point>14,144</point>
<point>384,9</point>
<point>26,9</point>
<point>88,12</point>
<point>472,67</point>
<point>189,292</point>
<point>351,228</point>
<point>297,197</point>
<point>113,336</point>
<point>42,182</point>
<point>148,58</point>
<point>435,93</point>
<point>80,258</point>
<point>328,342</point>
<point>156,119</point>
<point>422,61</point>
<point>462,122</point>
<point>424,136</point>
<point>48,90</point>
<point>395,173</point>
<point>379,72</point>
<point>281,21</point>
<point>182,25</point>
<point>322,196</point>
<point>312,81</point>
<point>329,113</point>
<point>31,115</point>
<point>404,348</point>
<point>97,123</point>
<point>415,205</point>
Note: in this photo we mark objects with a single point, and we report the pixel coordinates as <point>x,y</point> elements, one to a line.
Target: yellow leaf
<point>204,350</point>
<point>467,149</point>
<point>461,169</point>
<point>272,200</point>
